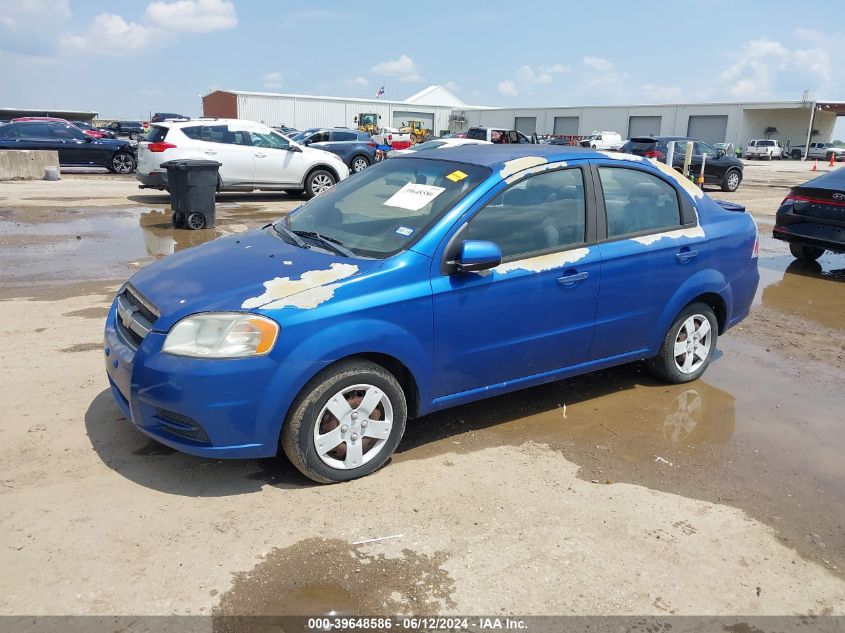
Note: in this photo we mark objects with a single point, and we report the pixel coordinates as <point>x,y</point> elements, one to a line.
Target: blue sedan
<point>426,282</point>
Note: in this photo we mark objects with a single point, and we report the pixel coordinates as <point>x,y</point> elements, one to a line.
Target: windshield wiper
<point>332,243</point>
<point>281,230</point>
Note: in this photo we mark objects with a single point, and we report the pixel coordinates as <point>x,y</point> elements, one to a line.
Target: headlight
<point>222,335</point>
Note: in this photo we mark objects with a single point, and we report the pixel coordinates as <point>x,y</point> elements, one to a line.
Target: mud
<point>331,577</point>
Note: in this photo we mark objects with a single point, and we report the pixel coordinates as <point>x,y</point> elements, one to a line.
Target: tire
<point>688,365</point>
<point>319,181</point>
<point>195,221</point>
<point>122,163</point>
<point>310,420</point>
<point>732,180</point>
<point>796,155</point>
<point>805,253</point>
<point>359,163</point>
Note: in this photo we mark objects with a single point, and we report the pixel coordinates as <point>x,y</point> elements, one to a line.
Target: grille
<point>182,425</point>
<point>135,316</point>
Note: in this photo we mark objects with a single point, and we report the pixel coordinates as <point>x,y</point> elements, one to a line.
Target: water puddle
<point>332,577</point>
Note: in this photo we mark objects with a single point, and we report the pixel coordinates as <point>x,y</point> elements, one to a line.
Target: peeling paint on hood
<point>311,289</point>
<point>518,164</point>
<point>543,262</point>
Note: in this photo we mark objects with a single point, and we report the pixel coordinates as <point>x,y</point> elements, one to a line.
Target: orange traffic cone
<point>815,165</point>
<point>832,160</point>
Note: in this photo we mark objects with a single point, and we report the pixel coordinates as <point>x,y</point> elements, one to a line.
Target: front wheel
<point>688,346</point>
<point>359,163</point>
<point>731,181</point>
<point>805,253</point>
<point>346,423</point>
<point>319,181</point>
<point>122,163</point>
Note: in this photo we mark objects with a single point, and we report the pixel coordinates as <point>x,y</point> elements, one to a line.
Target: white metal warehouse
<point>432,106</point>
<point>790,122</point>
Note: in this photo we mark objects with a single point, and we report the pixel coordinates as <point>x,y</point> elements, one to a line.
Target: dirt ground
<point>605,494</point>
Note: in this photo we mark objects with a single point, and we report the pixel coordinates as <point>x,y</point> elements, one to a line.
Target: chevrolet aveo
<point>422,283</point>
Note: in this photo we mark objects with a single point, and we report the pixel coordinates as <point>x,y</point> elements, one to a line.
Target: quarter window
<point>544,212</point>
<point>637,202</point>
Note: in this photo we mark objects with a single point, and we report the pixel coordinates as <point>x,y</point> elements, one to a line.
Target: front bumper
<point>210,408</point>
<point>154,180</point>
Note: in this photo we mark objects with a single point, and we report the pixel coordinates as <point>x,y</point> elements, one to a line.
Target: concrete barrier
<point>24,164</point>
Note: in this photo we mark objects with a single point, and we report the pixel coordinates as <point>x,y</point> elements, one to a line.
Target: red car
<point>87,128</point>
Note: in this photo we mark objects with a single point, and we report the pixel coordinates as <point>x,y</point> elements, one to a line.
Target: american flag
<point>380,92</point>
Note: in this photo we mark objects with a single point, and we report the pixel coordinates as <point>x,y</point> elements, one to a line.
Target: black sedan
<point>720,168</point>
<point>812,217</point>
<point>75,148</point>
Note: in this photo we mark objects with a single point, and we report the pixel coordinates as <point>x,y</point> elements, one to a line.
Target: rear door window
<point>542,213</point>
<point>35,131</point>
<point>637,202</point>
<point>344,136</point>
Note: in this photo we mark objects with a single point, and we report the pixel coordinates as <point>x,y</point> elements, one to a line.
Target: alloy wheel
<point>321,183</point>
<point>692,344</point>
<point>359,164</point>
<point>353,427</point>
<point>122,163</point>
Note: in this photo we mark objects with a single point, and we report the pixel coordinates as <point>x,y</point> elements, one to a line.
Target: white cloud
<point>21,14</point>
<point>272,80</point>
<point>542,75</point>
<point>360,81</point>
<point>109,34</point>
<point>598,63</point>
<point>452,85</point>
<point>508,88</point>
<point>404,69</point>
<point>193,16</point>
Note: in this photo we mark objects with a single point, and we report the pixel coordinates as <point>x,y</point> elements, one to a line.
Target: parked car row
<point>75,148</point>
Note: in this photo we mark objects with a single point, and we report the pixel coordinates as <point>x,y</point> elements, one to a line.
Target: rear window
<point>477,133</point>
<point>635,146</point>
<point>156,134</point>
<point>766,143</point>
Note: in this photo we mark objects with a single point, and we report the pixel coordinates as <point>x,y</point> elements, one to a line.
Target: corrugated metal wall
<point>303,113</point>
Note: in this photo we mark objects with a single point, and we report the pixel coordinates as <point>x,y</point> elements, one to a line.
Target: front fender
<point>703,282</point>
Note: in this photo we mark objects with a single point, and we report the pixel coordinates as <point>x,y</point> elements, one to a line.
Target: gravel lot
<point>605,494</point>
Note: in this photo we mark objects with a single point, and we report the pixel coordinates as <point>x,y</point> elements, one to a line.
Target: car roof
<point>495,156</point>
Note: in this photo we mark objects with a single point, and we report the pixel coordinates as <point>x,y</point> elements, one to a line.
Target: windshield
<point>429,145</point>
<point>384,208</point>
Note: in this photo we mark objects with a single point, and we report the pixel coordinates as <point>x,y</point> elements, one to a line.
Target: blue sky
<point>129,58</point>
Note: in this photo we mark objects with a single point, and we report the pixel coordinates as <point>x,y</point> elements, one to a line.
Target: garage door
<point>525,124</point>
<point>566,126</point>
<point>644,126</point>
<point>710,128</point>
<point>426,118</point>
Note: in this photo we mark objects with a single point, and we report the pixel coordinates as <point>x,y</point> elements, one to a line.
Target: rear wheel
<point>796,154</point>
<point>319,181</point>
<point>805,253</point>
<point>688,346</point>
<point>346,423</point>
<point>732,180</point>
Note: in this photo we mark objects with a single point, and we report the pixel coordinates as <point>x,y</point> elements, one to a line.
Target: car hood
<point>250,271</point>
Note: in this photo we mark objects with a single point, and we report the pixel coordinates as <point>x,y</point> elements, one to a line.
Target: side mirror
<point>478,255</point>
<point>292,147</point>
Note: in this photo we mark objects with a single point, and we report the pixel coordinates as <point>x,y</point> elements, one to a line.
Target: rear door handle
<point>210,152</point>
<point>261,155</point>
<point>685,255</point>
<point>567,281</point>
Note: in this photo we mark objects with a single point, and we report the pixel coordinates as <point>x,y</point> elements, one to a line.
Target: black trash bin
<point>193,185</point>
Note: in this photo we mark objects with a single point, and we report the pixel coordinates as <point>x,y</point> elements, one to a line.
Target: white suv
<point>252,156</point>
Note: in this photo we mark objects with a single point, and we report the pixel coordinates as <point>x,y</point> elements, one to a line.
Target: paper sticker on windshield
<point>413,197</point>
<point>456,176</point>
<point>404,230</point>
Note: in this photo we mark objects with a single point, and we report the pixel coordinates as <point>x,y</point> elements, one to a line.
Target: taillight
<point>161,146</point>
<point>653,153</point>
<point>756,250</point>
<point>390,137</point>
<point>794,197</point>
<point>371,145</point>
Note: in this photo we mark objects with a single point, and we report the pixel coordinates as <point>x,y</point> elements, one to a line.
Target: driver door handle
<point>569,280</point>
<point>210,152</point>
<point>260,155</point>
<point>685,255</point>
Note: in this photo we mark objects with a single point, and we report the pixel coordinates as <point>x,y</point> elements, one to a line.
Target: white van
<point>602,140</point>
